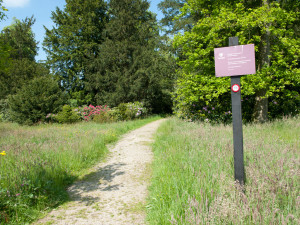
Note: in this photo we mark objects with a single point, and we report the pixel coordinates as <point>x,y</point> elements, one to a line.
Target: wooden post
<point>237,124</point>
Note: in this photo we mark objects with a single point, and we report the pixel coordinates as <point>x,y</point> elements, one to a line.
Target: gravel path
<point>115,191</point>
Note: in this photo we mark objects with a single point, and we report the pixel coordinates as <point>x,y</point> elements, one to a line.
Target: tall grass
<point>41,161</point>
<point>193,175</point>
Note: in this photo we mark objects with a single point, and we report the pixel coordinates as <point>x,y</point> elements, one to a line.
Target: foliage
<point>73,42</point>
<point>266,26</point>
<point>18,49</point>
<point>193,176</point>
<point>2,8</point>
<point>129,111</point>
<point>67,115</point>
<point>88,113</point>
<point>129,67</point>
<point>19,73</point>
<point>20,38</point>
<point>171,20</point>
<point>104,117</point>
<point>4,110</point>
<point>38,163</point>
<point>35,100</point>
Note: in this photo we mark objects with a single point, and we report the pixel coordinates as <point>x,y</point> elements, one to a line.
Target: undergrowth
<point>38,163</point>
<point>193,174</point>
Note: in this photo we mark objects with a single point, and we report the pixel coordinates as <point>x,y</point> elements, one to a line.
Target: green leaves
<point>260,24</point>
<point>35,100</point>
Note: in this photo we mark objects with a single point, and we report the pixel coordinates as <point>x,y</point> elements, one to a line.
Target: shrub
<point>130,110</point>
<point>88,113</point>
<point>4,110</point>
<point>35,100</point>
<point>67,115</point>
<point>103,117</point>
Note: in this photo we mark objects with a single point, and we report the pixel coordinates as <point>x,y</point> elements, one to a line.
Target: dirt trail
<point>115,191</point>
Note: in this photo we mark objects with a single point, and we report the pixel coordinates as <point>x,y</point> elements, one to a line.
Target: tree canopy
<point>271,26</point>
<point>129,67</point>
<point>74,40</point>
<point>19,49</point>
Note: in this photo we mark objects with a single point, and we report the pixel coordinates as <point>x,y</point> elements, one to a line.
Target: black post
<point>237,124</point>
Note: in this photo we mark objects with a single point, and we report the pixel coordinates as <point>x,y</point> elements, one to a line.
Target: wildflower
<point>3,153</point>
<point>18,194</point>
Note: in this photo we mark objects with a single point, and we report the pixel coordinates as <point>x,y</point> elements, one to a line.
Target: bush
<point>130,111</point>
<point>35,100</point>
<point>104,117</point>
<point>88,113</point>
<point>4,110</point>
<point>67,115</point>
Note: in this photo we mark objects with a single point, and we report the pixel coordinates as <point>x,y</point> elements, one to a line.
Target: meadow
<point>193,175</point>
<point>38,163</point>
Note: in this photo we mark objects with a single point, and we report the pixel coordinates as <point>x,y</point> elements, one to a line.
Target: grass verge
<point>193,174</point>
<point>40,162</point>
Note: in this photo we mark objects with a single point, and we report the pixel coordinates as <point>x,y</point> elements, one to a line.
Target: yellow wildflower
<point>2,153</point>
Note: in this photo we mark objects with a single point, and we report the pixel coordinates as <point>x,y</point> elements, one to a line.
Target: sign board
<point>235,60</point>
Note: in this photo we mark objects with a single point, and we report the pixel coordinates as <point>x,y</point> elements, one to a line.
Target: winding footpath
<point>115,191</point>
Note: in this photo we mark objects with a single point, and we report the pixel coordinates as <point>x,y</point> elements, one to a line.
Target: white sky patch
<point>15,3</point>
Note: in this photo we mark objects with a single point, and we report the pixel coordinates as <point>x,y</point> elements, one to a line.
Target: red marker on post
<point>235,88</point>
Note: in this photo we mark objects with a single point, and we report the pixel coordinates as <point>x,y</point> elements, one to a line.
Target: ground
<point>115,191</point>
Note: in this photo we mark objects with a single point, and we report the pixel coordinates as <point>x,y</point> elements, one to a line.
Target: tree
<point>129,67</point>
<point>20,38</point>
<point>20,48</point>
<point>74,41</point>
<point>267,24</point>
<point>35,100</point>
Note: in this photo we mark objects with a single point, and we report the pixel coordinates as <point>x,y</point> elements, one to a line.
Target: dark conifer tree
<point>129,66</point>
<point>19,46</point>
<point>74,42</point>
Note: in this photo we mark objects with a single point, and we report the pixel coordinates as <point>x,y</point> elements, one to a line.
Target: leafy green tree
<point>35,100</point>
<point>73,42</point>
<point>129,66</point>
<point>19,49</point>
<point>271,26</point>
<point>171,20</point>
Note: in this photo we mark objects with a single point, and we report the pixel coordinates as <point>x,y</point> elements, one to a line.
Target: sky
<point>41,10</point>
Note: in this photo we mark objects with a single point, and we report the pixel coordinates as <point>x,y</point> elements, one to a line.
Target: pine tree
<point>128,67</point>
<point>74,41</point>
<point>19,48</point>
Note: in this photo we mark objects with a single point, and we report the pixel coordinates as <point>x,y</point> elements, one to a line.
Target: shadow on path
<point>96,181</point>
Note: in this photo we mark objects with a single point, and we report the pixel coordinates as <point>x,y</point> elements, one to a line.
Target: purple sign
<point>234,61</point>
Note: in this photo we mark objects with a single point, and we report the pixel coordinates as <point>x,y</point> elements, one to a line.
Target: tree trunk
<point>261,101</point>
<point>261,107</point>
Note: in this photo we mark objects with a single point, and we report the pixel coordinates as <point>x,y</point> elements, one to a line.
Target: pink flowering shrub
<point>51,117</point>
<point>89,113</point>
<point>100,114</point>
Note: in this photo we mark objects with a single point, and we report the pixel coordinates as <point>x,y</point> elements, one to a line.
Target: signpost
<point>235,61</point>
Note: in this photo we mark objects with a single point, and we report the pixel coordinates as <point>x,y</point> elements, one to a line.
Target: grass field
<point>193,174</point>
<point>38,163</point>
